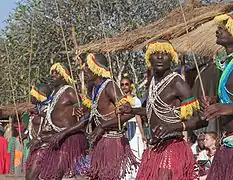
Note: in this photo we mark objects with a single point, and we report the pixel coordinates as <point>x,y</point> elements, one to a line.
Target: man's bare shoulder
<point>178,81</point>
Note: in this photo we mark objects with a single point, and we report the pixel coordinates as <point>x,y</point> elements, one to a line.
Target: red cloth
<point>171,161</point>
<point>4,156</point>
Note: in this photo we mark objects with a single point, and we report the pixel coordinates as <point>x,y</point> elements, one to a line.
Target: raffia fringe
<point>96,68</point>
<point>63,72</point>
<point>187,107</point>
<point>229,24</point>
<point>39,96</point>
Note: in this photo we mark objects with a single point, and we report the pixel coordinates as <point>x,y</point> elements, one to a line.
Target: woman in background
<point>134,132</point>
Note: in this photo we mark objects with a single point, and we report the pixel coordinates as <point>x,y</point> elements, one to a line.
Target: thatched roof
<point>9,110</point>
<point>199,21</point>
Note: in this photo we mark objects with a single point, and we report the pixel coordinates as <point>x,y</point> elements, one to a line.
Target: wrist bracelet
<point>184,126</point>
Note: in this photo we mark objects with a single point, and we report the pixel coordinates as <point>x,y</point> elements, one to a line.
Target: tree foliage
<point>33,36</point>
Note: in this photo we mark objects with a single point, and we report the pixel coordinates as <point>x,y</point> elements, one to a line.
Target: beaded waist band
<point>112,134</point>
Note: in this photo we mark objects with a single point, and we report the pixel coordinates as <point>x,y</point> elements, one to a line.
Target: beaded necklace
<point>51,106</point>
<point>162,110</point>
<point>95,101</point>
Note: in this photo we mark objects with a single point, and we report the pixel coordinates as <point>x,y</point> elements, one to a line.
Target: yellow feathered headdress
<point>158,46</point>
<point>225,20</point>
<point>40,96</point>
<point>61,69</point>
<point>97,68</point>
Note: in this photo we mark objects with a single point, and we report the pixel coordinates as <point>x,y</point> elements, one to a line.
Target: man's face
<point>56,78</point>
<point>89,75</point>
<point>125,85</point>
<point>160,61</point>
<point>224,38</point>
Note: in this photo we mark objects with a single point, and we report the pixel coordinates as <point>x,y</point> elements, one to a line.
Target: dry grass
<point>199,22</point>
<point>9,110</point>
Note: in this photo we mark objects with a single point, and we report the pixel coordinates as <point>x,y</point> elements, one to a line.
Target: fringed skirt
<point>112,158</point>
<point>172,160</point>
<point>56,163</point>
<point>222,166</point>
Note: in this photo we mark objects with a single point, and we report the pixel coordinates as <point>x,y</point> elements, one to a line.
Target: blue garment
<point>223,93</point>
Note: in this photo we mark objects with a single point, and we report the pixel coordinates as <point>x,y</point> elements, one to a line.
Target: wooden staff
<point>83,89</point>
<point>13,94</point>
<point>110,64</point>
<point>66,48</point>
<point>193,55</point>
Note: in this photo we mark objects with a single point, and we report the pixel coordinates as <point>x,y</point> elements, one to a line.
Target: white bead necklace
<point>162,110</point>
<point>52,105</point>
<point>94,111</point>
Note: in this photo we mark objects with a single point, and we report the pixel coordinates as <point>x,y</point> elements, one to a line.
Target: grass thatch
<point>199,22</point>
<point>9,110</point>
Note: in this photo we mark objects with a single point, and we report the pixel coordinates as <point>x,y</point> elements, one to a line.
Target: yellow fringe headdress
<point>228,18</point>
<point>40,96</point>
<point>164,47</point>
<point>97,68</point>
<point>188,106</point>
<point>63,72</point>
<point>123,100</point>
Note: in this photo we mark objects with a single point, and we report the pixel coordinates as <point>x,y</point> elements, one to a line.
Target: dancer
<point>170,107</point>
<point>46,161</point>
<point>40,96</point>
<point>112,157</point>
<point>223,160</point>
<point>4,155</point>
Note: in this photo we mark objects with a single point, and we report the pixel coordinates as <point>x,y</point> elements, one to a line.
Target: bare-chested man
<point>221,168</point>
<point>170,105</point>
<point>111,156</point>
<point>47,161</point>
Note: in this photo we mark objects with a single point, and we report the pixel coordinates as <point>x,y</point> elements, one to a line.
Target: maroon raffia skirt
<point>171,161</point>
<point>57,163</point>
<point>222,166</point>
<point>111,159</point>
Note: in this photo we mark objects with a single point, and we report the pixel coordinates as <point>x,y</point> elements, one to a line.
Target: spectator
<point>206,156</point>
<point>4,155</point>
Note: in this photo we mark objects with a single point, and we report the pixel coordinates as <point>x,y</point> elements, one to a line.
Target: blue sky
<point>6,6</point>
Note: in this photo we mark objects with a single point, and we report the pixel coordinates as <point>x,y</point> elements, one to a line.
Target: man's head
<point>61,74</point>
<point>97,66</point>
<point>39,93</point>
<point>224,32</point>
<point>160,54</point>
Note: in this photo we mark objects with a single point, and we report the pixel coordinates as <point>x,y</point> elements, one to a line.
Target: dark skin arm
<point>113,95</point>
<point>183,92</point>
<point>216,110</point>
